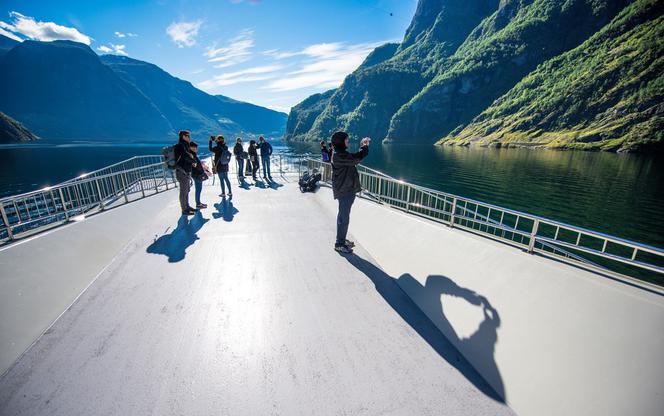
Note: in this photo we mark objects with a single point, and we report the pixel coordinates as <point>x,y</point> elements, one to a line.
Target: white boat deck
<point>243,309</point>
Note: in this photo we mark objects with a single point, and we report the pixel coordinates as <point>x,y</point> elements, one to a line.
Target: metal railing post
<point>10,234</point>
<point>64,205</point>
<point>408,200</point>
<point>139,176</point>
<point>124,187</point>
<point>453,212</point>
<point>533,234</point>
<point>101,199</point>
<point>166,180</point>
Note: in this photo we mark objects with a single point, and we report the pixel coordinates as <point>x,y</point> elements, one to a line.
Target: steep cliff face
<point>393,73</point>
<point>505,48</point>
<point>607,94</point>
<point>457,58</point>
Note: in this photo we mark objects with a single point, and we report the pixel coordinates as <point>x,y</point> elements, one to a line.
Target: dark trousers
<point>183,179</point>
<point>240,168</point>
<point>198,187</point>
<point>266,166</point>
<point>343,217</point>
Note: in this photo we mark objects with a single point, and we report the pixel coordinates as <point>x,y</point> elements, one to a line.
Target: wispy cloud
<point>10,35</point>
<point>237,51</point>
<point>325,66</point>
<point>46,31</point>
<point>125,35</point>
<point>184,33</point>
<point>113,48</point>
<point>258,73</point>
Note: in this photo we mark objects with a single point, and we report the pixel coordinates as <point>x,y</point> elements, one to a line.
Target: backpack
<point>168,154</point>
<point>225,157</point>
<point>309,180</point>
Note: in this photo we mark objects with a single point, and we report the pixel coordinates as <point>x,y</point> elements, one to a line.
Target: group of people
<point>345,177</point>
<point>189,168</point>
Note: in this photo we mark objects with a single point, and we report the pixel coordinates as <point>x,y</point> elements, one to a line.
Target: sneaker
<point>349,243</point>
<point>230,195</point>
<point>222,195</point>
<point>189,212</point>
<point>201,206</point>
<point>343,249</point>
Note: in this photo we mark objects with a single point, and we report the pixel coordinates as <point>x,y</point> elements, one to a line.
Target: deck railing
<point>532,233</point>
<point>142,176</point>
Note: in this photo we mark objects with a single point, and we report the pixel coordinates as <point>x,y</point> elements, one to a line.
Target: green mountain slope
<point>11,131</point>
<point>458,58</point>
<point>393,73</point>
<point>606,94</point>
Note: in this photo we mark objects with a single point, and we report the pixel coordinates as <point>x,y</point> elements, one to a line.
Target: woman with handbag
<point>222,156</point>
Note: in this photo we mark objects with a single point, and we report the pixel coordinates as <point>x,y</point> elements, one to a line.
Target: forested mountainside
<point>463,63</point>
<point>63,90</point>
<point>606,94</point>
<point>11,131</point>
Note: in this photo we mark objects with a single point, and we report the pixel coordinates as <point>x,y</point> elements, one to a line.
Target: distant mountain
<point>6,44</point>
<point>11,131</point>
<point>63,90</point>
<point>606,94</point>
<point>187,107</point>
<point>459,56</point>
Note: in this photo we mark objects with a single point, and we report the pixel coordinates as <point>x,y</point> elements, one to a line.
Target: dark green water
<point>618,194</point>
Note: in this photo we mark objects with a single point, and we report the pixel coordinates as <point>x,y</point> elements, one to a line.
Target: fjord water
<point>619,194</point>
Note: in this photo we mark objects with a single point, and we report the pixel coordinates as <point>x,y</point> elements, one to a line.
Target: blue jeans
<point>198,186</point>
<point>343,217</point>
<point>240,168</point>
<point>266,166</point>
<point>223,177</point>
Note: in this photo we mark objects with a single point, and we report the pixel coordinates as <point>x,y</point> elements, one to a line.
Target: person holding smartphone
<point>345,184</point>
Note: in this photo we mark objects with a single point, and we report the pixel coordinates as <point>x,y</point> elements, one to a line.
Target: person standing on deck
<point>184,162</point>
<point>345,184</point>
<point>325,152</point>
<point>221,158</point>
<point>253,159</point>
<point>266,152</point>
<point>198,175</point>
<point>238,152</point>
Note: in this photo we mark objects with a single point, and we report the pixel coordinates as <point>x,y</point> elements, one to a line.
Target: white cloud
<point>258,73</point>
<point>184,33</point>
<point>326,67</point>
<point>10,35</point>
<point>125,35</point>
<point>237,51</point>
<point>112,48</point>
<point>45,31</point>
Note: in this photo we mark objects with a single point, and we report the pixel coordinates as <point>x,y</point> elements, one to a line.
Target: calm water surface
<point>619,194</point>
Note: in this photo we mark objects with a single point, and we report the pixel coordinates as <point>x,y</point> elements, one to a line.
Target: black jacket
<point>183,157</point>
<point>265,148</point>
<point>253,154</point>
<point>197,171</point>
<point>218,150</point>
<point>237,151</point>
<point>345,179</point>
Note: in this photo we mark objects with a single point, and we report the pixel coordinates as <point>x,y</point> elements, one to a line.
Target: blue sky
<point>273,53</point>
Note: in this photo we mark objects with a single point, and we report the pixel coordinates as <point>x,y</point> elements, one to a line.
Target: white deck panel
<point>243,310</point>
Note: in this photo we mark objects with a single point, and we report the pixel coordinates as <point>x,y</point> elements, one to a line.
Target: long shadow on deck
<point>175,244</point>
<point>482,342</point>
<point>225,210</point>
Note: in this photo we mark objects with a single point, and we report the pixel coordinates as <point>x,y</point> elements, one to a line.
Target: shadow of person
<point>225,210</point>
<point>174,245</point>
<point>273,184</point>
<point>244,184</point>
<point>259,184</point>
<point>437,331</point>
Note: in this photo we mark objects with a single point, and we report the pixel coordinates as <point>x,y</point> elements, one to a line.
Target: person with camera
<point>221,159</point>
<point>266,151</point>
<point>184,163</point>
<point>345,184</point>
